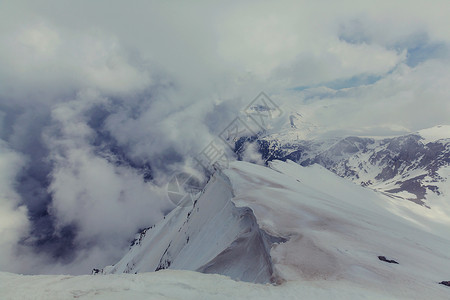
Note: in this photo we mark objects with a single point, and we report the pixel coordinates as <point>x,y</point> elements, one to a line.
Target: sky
<point>100,101</point>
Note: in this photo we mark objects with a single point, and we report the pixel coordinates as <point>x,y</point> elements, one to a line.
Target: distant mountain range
<point>411,167</point>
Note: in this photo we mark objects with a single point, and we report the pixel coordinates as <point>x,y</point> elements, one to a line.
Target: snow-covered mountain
<point>212,236</point>
<point>290,223</point>
<point>413,167</point>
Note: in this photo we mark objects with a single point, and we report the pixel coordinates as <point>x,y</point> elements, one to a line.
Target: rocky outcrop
<point>391,261</point>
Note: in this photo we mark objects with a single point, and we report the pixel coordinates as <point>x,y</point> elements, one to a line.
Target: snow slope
<point>301,226</point>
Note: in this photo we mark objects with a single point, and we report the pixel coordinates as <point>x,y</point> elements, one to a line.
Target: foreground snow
<point>172,284</point>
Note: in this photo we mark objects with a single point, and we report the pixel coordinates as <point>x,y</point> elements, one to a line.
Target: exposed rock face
<point>404,167</point>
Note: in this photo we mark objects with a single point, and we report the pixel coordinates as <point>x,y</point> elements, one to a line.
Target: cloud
<point>41,62</point>
<point>13,216</point>
<point>408,99</point>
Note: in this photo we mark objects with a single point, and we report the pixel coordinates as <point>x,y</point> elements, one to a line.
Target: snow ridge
<point>211,236</point>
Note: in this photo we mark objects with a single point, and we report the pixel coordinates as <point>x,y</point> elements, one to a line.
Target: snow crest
<point>211,236</point>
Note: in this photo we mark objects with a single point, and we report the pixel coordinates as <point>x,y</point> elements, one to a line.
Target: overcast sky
<point>93,93</point>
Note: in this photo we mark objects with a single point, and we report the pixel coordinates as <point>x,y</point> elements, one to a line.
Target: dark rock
<point>163,265</point>
<point>383,258</point>
<point>95,271</point>
<point>447,283</point>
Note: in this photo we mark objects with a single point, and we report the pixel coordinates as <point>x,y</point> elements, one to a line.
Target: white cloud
<point>408,99</point>
<point>13,216</point>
